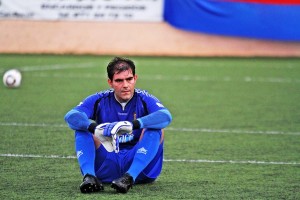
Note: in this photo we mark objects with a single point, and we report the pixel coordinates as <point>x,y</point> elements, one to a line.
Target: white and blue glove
<point>117,128</point>
<point>121,127</point>
<point>108,140</point>
<point>101,128</point>
<point>107,129</point>
<point>115,143</point>
<point>112,131</point>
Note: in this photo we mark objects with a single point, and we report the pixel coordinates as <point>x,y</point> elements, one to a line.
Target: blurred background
<point>151,27</point>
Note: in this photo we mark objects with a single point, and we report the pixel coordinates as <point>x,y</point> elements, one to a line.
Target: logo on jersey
<point>125,138</point>
<point>122,114</point>
<point>142,150</point>
<point>160,105</point>
<point>79,153</point>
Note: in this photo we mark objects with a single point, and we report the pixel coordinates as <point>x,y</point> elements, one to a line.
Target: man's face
<point>123,84</point>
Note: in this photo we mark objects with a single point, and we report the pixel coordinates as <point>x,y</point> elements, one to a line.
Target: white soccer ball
<point>12,78</point>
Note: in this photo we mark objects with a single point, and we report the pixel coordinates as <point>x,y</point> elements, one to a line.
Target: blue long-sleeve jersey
<point>103,107</point>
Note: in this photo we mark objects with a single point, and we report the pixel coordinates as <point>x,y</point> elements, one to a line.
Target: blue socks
<point>146,151</point>
<point>85,150</point>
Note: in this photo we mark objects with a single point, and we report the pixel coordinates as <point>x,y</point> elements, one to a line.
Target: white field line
<point>209,64</point>
<point>165,160</point>
<point>203,130</point>
<point>206,130</point>
<point>158,77</point>
<point>224,79</point>
<point>57,67</point>
<point>54,67</point>
<point>203,64</point>
<point>32,124</point>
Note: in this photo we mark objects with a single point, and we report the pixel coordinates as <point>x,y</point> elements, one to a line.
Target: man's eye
<point>118,80</point>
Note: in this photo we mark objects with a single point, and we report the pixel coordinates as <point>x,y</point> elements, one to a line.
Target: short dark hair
<point>119,64</point>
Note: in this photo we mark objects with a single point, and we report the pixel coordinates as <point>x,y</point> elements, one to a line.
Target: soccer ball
<point>12,78</point>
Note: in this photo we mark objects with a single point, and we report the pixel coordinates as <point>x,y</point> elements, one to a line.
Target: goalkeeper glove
<point>112,131</point>
<point>100,129</point>
<point>115,143</point>
<point>117,128</point>
<point>121,127</point>
<point>109,141</point>
<point>108,129</point>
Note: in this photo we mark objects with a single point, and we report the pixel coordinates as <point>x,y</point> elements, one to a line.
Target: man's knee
<point>86,136</point>
<point>153,134</point>
<point>83,135</point>
<point>96,142</point>
<point>107,142</point>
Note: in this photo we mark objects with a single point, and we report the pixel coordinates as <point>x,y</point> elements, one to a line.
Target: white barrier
<point>91,10</point>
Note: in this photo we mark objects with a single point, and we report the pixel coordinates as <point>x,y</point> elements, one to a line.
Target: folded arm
<point>77,120</point>
<point>156,120</point>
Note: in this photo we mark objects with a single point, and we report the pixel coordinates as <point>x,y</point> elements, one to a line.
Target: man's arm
<point>156,120</point>
<point>78,120</point>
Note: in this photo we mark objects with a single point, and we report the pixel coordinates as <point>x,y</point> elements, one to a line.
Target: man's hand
<point>100,129</point>
<point>118,128</point>
<point>122,127</point>
<point>115,143</point>
<point>108,140</point>
<point>112,131</point>
<point>107,131</point>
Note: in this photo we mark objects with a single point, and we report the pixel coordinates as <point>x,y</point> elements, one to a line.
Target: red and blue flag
<point>260,19</point>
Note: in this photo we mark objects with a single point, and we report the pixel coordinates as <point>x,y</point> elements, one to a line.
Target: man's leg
<point>145,151</point>
<point>85,150</point>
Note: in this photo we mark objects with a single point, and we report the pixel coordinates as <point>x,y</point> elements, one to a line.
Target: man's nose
<point>125,83</point>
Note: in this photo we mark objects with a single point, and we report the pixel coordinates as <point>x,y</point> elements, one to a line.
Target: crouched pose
<point>119,132</point>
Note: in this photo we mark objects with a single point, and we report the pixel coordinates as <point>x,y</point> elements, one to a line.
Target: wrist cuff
<point>92,127</point>
<point>135,124</point>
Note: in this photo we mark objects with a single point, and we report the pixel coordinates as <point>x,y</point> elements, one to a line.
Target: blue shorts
<point>111,165</point>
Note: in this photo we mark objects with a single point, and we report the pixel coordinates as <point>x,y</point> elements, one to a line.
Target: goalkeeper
<point>119,132</point>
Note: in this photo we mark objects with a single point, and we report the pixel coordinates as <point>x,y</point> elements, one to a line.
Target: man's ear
<point>135,77</point>
<point>109,82</point>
